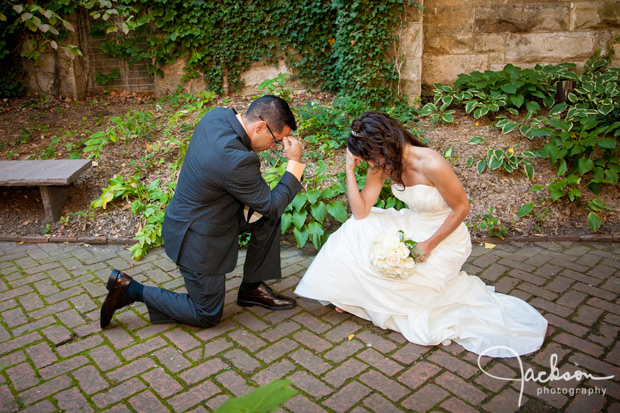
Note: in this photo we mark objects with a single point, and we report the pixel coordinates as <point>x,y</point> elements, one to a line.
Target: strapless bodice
<point>422,199</point>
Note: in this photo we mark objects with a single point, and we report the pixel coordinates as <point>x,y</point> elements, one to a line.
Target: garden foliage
<point>149,201</point>
<point>580,135</point>
<point>30,29</point>
<point>266,398</point>
<point>337,46</point>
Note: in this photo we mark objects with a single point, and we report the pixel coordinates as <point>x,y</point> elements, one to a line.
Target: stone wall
<point>412,40</point>
<point>447,38</point>
<point>465,36</point>
<point>253,77</point>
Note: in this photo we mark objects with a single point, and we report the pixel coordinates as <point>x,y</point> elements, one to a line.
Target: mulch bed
<point>33,129</point>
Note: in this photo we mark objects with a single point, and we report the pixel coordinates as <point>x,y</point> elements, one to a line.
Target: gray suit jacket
<point>220,175</point>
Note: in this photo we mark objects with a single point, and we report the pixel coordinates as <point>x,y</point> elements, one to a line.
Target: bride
<point>438,302</point>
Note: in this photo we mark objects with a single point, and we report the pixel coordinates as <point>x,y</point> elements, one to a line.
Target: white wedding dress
<point>439,302</point>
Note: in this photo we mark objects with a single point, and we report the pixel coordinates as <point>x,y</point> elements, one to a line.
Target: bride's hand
<point>352,161</point>
<point>423,251</point>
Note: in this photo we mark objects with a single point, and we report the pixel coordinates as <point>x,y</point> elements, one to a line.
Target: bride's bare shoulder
<point>428,155</point>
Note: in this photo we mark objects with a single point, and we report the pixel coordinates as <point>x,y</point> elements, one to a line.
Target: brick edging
<point>552,238</point>
<point>41,239</point>
<point>102,239</point>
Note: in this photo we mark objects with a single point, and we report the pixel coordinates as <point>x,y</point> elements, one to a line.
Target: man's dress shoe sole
<point>246,303</point>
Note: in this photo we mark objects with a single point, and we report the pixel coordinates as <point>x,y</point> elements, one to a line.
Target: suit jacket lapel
<point>238,127</point>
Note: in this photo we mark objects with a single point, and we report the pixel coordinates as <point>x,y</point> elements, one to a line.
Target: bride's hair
<point>378,138</point>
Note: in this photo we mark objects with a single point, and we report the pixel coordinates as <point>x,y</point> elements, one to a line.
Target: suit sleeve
<point>246,184</point>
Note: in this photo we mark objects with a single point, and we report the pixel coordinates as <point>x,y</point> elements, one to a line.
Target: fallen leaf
<point>488,245</point>
<point>351,336</point>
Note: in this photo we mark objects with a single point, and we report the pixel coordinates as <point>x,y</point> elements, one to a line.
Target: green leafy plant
<point>448,155</point>
<point>436,114</point>
<point>276,87</point>
<point>149,202</point>
<point>583,146</point>
<point>542,216</point>
<point>306,214</point>
<point>328,126</point>
<point>178,138</point>
<point>265,398</point>
<point>581,134</point>
<point>596,206</point>
<point>96,142</point>
<point>503,159</point>
<point>104,79</point>
<point>133,125</point>
<point>492,225</point>
<point>489,92</point>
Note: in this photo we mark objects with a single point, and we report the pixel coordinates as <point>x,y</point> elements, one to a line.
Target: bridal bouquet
<point>393,255</point>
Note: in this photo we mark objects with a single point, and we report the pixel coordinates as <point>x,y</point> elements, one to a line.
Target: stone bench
<point>51,176</point>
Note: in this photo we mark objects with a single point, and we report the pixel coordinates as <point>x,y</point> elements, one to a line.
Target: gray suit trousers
<point>203,304</point>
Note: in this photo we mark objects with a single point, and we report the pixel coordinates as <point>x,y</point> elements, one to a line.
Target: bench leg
<point>54,198</point>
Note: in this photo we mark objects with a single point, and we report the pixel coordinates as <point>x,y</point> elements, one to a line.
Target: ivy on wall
<point>340,46</point>
<point>29,29</point>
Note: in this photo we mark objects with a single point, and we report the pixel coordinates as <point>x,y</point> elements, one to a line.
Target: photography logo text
<point>554,374</point>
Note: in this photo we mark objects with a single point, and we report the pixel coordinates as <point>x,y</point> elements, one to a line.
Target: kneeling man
<point>220,194</point>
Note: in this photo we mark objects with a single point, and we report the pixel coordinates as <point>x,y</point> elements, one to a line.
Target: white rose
<point>390,256</point>
<point>393,259</point>
<point>379,251</point>
<point>391,240</point>
<point>403,251</point>
<point>408,264</point>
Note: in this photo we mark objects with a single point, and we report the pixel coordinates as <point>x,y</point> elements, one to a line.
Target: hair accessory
<point>359,135</point>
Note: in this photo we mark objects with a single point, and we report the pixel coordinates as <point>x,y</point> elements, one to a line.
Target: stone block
<point>438,41</point>
<point>490,43</point>
<point>446,68</point>
<point>173,73</point>
<point>411,76</point>
<point>449,15</point>
<point>525,18</point>
<point>413,40</point>
<point>44,80</point>
<point>595,15</point>
<point>413,14</point>
<point>259,72</point>
<point>559,47</point>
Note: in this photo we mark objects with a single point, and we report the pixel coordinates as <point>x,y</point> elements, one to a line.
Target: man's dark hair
<point>274,110</point>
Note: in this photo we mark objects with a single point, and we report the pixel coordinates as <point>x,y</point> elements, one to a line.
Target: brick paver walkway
<point>53,355</point>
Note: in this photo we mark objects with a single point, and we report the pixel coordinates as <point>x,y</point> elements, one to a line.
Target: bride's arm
<point>441,175</point>
<point>361,202</point>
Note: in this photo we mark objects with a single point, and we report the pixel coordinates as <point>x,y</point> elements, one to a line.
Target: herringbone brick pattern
<point>53,355</point>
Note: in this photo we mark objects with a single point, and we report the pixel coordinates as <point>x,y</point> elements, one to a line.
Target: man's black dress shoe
<point>264,296</point>
<point>117,285</point>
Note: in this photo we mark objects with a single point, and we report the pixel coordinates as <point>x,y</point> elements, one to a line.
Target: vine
<point>345,47</point>
<point>33,28</point>
<point>339,46</point>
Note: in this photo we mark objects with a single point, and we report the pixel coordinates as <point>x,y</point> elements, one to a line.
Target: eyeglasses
<point>269,129</point>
